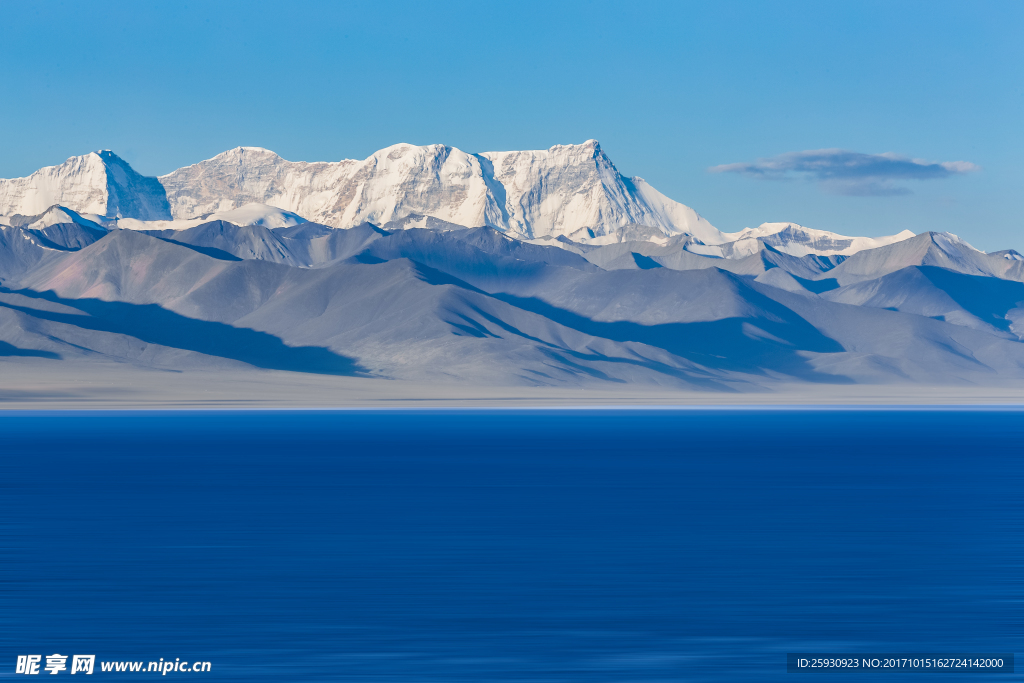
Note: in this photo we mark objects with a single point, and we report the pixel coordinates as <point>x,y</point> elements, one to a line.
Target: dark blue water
<point>510,546</point>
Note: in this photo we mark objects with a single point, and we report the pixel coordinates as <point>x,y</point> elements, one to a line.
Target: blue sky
<point>721,105</point>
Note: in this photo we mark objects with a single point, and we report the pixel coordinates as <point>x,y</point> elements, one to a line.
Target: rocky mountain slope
<point>475,306</point>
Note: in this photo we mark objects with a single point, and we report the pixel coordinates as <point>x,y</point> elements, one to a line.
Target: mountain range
<point>501,268</point>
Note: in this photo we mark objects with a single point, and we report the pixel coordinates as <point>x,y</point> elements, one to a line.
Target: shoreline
<point>114,386</point>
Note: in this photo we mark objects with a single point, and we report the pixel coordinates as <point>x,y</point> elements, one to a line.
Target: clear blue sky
<point>670,89</point>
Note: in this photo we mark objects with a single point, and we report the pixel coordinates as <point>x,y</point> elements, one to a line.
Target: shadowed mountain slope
<point>396,313</point>
<point>972,301</point>
<point>938,249</point>
<point>475,306</point>
<point>155,334</point>
<point>432,264</point>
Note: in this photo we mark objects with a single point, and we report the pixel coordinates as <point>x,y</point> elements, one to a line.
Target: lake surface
<point>559,545</point>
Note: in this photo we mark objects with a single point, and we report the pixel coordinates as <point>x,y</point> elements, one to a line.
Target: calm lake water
<point>605,545</point>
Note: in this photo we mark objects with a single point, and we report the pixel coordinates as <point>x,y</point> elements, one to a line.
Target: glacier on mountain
<point>798,240</point>
<point>529,194</point>
<point>98,183</point>
<point>569,192</point>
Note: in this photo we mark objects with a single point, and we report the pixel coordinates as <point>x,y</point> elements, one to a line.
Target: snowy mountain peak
<point>242,149</point>
<point>239,155</point>
<point>590,147</point>
<point>565,189</point>
<point>572,191</point>
<point>557,191</point>
<point>949,242</point>
<point>55,215</point>
<point>96,183</point>
<point>797,240</point>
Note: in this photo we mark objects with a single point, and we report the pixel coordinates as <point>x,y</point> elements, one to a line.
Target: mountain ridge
<point>475,306</point>
<point>99,183</point>
<point>566,191</point>
<point>429,264</point>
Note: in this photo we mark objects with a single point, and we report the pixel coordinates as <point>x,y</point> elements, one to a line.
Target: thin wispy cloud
<point>840,171</point>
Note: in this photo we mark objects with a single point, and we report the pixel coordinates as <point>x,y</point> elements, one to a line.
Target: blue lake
<point>562,545</point>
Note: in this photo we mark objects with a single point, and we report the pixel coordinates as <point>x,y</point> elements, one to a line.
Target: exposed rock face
<point>552,192</point>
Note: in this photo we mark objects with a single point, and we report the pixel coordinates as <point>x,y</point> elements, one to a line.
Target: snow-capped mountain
<point>535,268</point>
<point>567,191</point>
<point>250,214</point>
<point>558,191</point>
<point>97,183</point>
<point>797,240</point>
<point>55,215</point>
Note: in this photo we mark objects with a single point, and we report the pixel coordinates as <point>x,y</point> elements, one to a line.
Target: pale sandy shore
<point>36,384</point>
